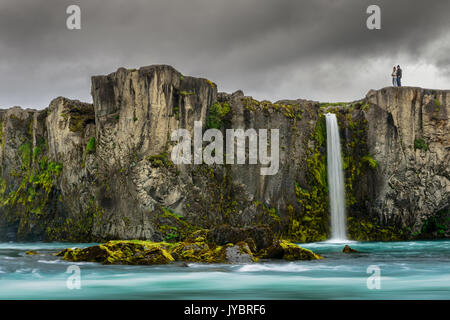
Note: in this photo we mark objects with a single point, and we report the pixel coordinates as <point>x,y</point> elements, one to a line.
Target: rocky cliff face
<point>83,172</point>
<point>409,135</point>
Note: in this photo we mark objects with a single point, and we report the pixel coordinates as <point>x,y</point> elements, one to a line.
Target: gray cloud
<point>317,49</point>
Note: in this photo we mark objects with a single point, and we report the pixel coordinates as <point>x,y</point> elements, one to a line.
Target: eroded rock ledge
<point>97,172</point>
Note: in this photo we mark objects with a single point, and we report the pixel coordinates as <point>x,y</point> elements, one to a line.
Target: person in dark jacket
<point>399,76</point>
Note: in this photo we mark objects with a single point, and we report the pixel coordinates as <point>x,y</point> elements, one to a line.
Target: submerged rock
<point>347,249</point>
<point>32,253</point>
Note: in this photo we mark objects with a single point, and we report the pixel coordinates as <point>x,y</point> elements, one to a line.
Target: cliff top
<point>175,74</point>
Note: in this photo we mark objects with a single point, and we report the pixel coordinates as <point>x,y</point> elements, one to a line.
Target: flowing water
<point>409,270</point>
<point>336,187</point>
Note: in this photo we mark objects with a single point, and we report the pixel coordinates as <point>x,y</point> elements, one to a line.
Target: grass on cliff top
<point>333,104</point>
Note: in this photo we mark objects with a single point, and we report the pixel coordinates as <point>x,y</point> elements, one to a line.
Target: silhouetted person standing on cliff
<point>399,76</point>
<point>394,77</point>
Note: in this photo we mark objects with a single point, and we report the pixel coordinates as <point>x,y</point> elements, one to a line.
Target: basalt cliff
<point>91,172</point>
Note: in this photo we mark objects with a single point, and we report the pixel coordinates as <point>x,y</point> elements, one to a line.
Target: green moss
<point>356,157</point>
<point>311,223</point>
<point>420,144</point>
<point>187,93</point>
<point>122,252</point>
<point>90,147</point>
<point>160,160</point>
<point>36,152</point>
<point>437,102</point>
<point>216,115</point>
<point>148,252</point>
<point>288,251</point>
<point>25,154</point>
<point>333,104</point>
<point>360,229</point>
<point>436,226</point>
<point>198,251</point>
<point>30,128</point>
<point>212,85</point>
<point>29,203</point>
<point>365,107</point>
<point>271,213</point>
<point>291,111</point>
<point>79,228</point>
<point>172,226</point>
<point>370,161</point>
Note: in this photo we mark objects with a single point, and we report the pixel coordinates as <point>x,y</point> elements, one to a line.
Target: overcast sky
<point>271,49</point>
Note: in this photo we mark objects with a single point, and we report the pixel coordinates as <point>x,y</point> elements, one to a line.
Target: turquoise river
<point>408,270</point>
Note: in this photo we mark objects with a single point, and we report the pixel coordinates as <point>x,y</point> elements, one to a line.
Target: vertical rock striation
<point>409,135</point>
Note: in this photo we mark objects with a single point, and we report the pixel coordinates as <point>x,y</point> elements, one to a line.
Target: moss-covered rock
<point>239,253</point>
<point>288,251</point>
<point>149,253</point>
<point>32,253</point>
<point>199,251</point>
<point>122,252</point>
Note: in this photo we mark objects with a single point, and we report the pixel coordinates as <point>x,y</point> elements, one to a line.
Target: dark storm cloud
<point>269,48</point>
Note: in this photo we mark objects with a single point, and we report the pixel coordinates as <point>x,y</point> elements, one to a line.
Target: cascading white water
<point>336,185</point>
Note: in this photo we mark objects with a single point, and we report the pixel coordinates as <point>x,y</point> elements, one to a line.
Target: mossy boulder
<point>198,251</point>
<point>150,253</point>
<point>239,253</point>
<point>122,252</point>
<point>286,250</point>
<point>32,253</point>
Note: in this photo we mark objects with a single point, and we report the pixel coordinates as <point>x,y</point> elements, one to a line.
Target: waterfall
<point>336,185</point>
